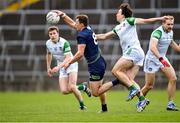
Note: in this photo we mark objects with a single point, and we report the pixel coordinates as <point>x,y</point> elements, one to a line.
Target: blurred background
<point>23,33</point>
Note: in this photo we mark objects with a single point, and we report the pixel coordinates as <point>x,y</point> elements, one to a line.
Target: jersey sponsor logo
<point>60,48</point>
<point>150,69</point>
<point>95,77</point>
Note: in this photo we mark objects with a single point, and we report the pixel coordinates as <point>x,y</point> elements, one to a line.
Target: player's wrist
<point>63,15</point>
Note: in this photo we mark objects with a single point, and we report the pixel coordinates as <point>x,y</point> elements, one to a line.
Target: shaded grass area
<point>53,106</point>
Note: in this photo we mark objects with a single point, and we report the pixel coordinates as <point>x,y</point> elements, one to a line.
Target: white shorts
<point>72,68</point>
<point>153,65</point>
<point>135,54</point>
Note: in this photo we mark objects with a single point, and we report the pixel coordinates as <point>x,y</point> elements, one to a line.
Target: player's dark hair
<point>51,28</point>
<point>83,19</point>
<point>126,10</point>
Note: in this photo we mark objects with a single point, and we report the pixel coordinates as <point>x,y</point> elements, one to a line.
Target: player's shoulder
<point>86,31</point>
<point>63,40</point>
<point>131,20</point>
<point>48,42</point>
<point>158,29</point>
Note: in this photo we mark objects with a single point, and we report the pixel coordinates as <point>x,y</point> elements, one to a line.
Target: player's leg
<point>151,66</point>
<point>108,85</point>
<point>143,102</point>
<point>131,73</point>
<point>97,71</point>
<point>72,86</point>
<point>120,68</point>
<point>94,86</point>
<point>171,75</point>
<point>149,79</point>
<point>120,71</point>
<point>85,87</point>
<point>63,85</point>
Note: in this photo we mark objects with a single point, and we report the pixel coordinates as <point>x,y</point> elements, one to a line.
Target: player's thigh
<point>94,86</point>
<point>122,64</point>
<point>169,72</point>
<point>149,79</point>
<point>73,78</point>
<point>63,83</point>
<point>133,72</point>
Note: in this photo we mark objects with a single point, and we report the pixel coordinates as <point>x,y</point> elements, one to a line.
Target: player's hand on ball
<point>59,13</point>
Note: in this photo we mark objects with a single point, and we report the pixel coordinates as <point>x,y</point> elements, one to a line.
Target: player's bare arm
<point>105,36</point>
<point>59,66</point>
<point>149,20</point>
<point>66,18</point>
<point>153,47</point>
<point>48,62</point>
<point>79,54</point>
<point>175,46</point>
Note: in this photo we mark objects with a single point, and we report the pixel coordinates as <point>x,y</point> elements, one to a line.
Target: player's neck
<point>83,28</point>
<point>55,41</point>
<point>166,31</point>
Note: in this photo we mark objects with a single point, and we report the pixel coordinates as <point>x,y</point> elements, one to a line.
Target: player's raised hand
<point>59,13</point>
<point>166,17</point>
<point>164,62</point>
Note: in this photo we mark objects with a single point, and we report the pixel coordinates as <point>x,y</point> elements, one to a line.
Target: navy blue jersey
<point>92,52</point>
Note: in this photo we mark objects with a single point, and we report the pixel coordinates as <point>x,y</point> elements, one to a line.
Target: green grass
<point>55,107</point>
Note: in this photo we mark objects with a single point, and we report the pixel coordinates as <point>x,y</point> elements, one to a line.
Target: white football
<point>52,18</point>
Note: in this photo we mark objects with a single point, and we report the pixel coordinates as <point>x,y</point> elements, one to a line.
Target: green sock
<point>141,98</point>
<point>132,87</point>
<point>81,87</point>
<point>81,103</point>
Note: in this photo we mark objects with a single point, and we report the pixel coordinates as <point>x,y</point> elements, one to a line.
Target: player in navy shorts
<point>88,47</point>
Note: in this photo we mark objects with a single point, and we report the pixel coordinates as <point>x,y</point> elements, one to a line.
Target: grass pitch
<point>55,107</point>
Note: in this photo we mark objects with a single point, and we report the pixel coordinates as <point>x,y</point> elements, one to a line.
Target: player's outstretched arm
<point>150,20</point>
<point>66,18</point>
<point>175,46</point>
<point>105,36</point>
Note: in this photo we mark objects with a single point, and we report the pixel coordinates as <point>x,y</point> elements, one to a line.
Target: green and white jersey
<point>59,49</point>
<point>127,34</point>
<point>164,40</point>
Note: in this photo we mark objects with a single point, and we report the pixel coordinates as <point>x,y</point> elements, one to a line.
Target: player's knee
<point>72,88</point>
<point>95,94</point>
<point>149,86</point>
<point>173,79</point>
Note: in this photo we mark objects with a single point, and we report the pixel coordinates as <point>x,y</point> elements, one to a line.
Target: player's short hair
<point>169,18</point>
<point>83,19</point>
<point>51,28</point>
<point>126,10</point>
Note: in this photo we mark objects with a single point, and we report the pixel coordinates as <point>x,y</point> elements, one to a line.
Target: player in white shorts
<point>161,39</point>
<point>60,49</point>
<point>127,67</point>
